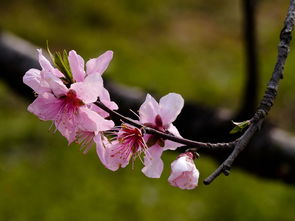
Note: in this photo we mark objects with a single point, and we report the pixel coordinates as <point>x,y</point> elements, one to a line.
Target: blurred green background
<point>193,47</point>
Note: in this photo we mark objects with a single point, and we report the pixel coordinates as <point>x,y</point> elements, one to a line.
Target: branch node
<point>226,172</point>
<point>226,169</point>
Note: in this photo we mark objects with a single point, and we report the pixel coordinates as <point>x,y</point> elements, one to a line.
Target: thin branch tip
<point>268,98</point>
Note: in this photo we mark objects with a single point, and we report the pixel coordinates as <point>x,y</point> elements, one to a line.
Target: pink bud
<point>184,173</point>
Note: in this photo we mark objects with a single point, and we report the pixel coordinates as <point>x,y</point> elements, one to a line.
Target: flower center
<point>68,110</point>
<point>157,125</point>
<point>132,137</point>
<point>72,100</point>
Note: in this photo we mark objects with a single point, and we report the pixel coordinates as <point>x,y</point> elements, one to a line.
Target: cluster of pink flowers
<point>66,95</point>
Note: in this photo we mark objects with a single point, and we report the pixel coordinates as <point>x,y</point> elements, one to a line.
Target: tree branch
<point>269,96</point>
<point>149,130</point>
<point>275,146</point>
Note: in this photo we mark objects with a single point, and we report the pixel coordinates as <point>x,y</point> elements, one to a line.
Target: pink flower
<point>34,78</point>
<point>159,116</point>
<point>184,174</point>
<point>95,66</point>
<point>127,143</point>
<point>68,104</point>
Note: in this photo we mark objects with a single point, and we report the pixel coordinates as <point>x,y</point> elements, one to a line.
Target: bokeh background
<point>192,47</point>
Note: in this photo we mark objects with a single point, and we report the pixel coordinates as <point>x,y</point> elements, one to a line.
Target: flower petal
<point>77,66</point>
<point>66,125</point>
<point>148,110</point>
<point>104,97</point>
<point>55,84</point>
<point>170,107</point>
<point>46,106</point>
<point>89,89</point>
<point>172,129</point>
<point>98,110</point>
<point>100,64</point>
<point>89,120</point>
<point>100,149</point>
<point>103,151</point>
<point>46,66</point>
<point>171,145</point>
<point>184,173</point>
<point>153,164</point>
<point>116,157</point>
<point>32,78</point>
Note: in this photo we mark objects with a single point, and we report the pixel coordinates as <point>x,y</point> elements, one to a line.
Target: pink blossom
<point>159,116</point>
<point>70,106</point>
<point>34,78</point>
<point>95,66</point>
<point>184,173</point>
<point>127,143</point>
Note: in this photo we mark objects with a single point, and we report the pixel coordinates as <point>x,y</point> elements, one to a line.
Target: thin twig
<point>269,96</point>
<point>149,130</point>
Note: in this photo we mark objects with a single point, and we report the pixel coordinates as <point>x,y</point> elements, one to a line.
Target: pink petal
<point>153,164</point>
<point>66,125</point>
<point>187,180</point>
<point>47,67</point>
<point>104,97</point>
<point>98,110</point>
<point>148,110</point>
<point>46,106</point>
<point>45,64</point>
<point>184,173</point>
<point>77,66</point>
<point>111,105</point>
<point>89,89</point>
<point>55,84</point>
<point>100,149</point>
<point>172,129</point>
<point>57,73</point>
<point>100,64</point>
<point>180,165</point>
<point>89,120</point>
<point>170,107</point>
<point>171,145</point>
<point>32,78</point>
<point>116,159</point>
<point>102,146</point>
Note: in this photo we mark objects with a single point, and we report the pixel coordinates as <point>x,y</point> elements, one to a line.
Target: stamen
<point>134,113</point>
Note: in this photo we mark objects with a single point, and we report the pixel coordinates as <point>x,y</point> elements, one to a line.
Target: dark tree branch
<point>149,130</point>
<point>269,96</point>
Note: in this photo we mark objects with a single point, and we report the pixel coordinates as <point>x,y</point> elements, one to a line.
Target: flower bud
<point>184,173</point>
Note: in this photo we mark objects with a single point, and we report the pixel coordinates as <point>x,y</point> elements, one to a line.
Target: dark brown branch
<point>149,130</point>
<point>269,96</point>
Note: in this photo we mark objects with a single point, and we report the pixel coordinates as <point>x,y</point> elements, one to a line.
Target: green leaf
<point>61,62</point>
<point>49,52</point>
<point>239,126</point>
